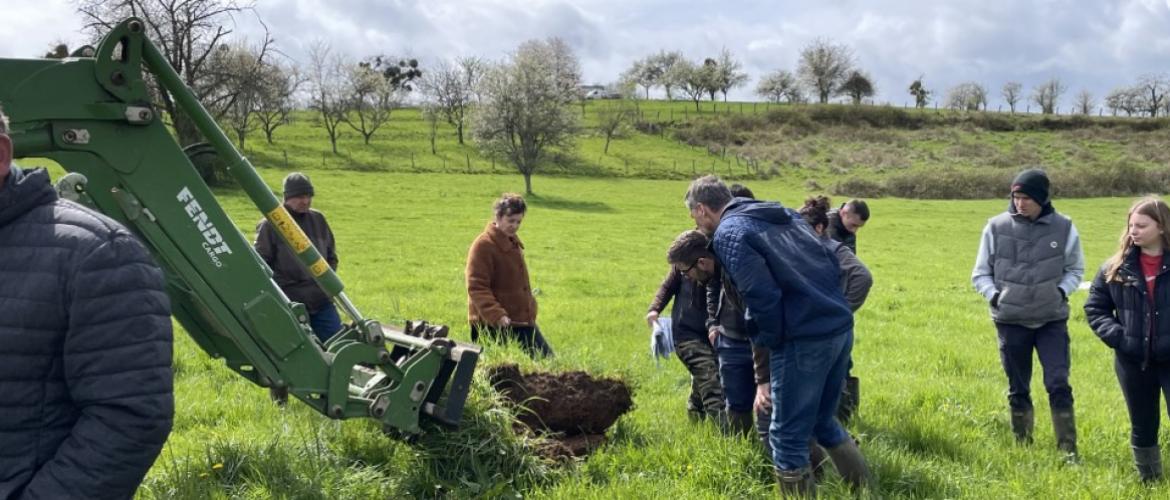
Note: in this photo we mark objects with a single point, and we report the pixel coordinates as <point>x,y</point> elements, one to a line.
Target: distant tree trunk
<point>608,136</point>
<point>459,129</point>
<point>528,183</point>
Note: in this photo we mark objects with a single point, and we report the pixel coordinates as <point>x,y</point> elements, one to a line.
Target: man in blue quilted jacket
<point>787,281</point>
<point>85,367</point>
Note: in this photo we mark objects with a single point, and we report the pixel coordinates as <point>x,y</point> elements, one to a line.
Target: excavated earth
<point>571,409</point>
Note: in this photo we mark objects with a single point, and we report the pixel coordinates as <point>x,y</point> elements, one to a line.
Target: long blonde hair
<point>1152,207</point>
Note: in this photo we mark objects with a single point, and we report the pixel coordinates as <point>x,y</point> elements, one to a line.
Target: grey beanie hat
<point>297,184</point>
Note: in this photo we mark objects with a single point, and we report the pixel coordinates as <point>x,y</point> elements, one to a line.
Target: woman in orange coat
<point>500,304</point>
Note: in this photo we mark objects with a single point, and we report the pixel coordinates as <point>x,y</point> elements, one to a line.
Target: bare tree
<point>1128,100</point>
<point>526,109</point>
<point>708,73</point>
<point>239,60</point>
<point>431,113</point>
<point>327,85</point>
<point>188,33</point>
<point>59,50</point>
<point>1154,88</point>
<point>278,96</point>
<point>857,87</point>
<point>1047,95</point>
<point>691,80</point>
<point>369,100</point>
<point>920,93</point>
<point>779,86</point>
<point>729,74</point>
<point>665,66</point>
<point>824,66</point>
<point>1085,102</point>
<point>644,73</point>
<point>969,96</point>
<point>374,89</point>
<point>612,117</point>
<point>1012,92</point>
<point>452,89</point>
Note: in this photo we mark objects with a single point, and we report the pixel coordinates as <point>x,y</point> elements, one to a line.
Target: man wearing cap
<point>288,272</point>
<point>1029,262</point>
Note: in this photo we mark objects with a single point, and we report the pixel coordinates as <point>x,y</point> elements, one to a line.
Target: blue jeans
<point>807,378</point>
<point>736,373</point>
<point>325,322</point>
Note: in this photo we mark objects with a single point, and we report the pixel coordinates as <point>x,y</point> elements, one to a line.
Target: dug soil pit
<point>571,409</point>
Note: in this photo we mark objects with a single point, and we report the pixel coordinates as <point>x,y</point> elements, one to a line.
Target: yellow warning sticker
<point>284,223</point>
<point>318,268</point>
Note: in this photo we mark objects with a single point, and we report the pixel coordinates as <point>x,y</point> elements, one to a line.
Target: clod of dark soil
<point>572,408</point>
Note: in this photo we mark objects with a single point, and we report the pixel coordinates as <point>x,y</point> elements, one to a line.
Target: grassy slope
<point>933,419</point>
<point>817,156</point>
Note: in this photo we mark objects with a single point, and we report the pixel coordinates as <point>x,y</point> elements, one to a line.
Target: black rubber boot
<point>739,423</point>
<point>817,457</point>
<point>850,400</point>
<point>1149,463</point>
<point>797,483</point>
<point>850,463</point>
<point>763,421</point>
<point>1022,423</point>
<point>1064,425</point>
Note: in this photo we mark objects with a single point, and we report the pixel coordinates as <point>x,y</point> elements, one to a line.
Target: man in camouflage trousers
<point>689,326</point>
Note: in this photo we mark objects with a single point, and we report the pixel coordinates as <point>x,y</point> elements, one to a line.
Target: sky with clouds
<point>1093,45</point>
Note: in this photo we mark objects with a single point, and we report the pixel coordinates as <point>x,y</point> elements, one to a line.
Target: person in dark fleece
<point>1131,289</point>
<point>85,322</point>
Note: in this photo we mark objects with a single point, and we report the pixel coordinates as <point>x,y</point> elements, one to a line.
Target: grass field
<point>933,419</point>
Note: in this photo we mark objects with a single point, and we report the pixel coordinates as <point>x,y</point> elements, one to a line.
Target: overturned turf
<point>574,409</point>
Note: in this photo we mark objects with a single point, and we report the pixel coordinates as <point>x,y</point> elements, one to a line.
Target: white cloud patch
<point>1090,44</point>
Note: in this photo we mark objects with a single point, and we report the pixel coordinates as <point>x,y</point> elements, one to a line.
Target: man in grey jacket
<point>85,370</point>
<point>1029,262</point>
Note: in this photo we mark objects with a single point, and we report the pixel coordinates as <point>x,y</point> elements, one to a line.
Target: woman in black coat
<point>1125,309</point>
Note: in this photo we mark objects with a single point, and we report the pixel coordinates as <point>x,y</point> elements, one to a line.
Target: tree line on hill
<point>517,110</point>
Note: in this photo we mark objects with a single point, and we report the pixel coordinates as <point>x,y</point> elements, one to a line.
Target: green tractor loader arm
<point>94,117</point>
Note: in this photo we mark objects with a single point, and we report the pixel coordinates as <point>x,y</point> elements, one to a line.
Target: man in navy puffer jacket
<point>85,346</point>
<point>787,281</point>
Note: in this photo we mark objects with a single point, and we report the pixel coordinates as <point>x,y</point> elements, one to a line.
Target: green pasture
<point>933,419</point>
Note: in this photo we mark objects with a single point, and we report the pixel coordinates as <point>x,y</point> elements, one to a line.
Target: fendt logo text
<point>213,242</point>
